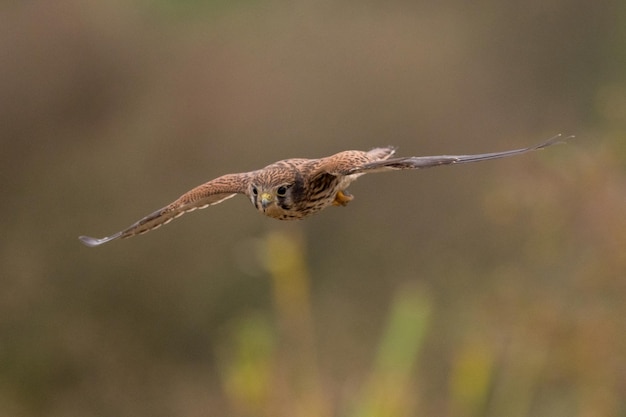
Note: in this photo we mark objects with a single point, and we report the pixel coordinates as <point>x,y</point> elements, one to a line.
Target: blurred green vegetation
<point>494,289</point>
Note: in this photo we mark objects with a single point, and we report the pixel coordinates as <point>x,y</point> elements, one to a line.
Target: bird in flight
<point>293,189</point>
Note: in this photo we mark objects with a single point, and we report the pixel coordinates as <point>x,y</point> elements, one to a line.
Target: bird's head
<point>275,193</point>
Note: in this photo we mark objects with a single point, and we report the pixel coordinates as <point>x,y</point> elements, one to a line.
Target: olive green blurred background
<point>492,289</point>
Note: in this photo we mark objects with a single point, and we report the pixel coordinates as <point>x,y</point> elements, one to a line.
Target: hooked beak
<point>266,200</point>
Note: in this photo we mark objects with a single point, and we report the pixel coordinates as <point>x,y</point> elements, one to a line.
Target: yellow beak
<point>266,199</point>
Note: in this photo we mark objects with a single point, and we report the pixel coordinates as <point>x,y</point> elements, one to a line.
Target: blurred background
<point>492,289</point>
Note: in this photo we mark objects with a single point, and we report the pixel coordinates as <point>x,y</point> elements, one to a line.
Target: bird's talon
<point>342,198</point>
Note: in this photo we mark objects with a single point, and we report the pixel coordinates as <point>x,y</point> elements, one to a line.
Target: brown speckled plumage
<point>293,189</point>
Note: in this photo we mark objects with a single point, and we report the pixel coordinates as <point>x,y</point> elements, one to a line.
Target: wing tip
<point>93,241</point>
<point>560,138</point>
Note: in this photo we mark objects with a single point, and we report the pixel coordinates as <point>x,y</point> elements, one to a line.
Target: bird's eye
<point>254,190</point>
<point>281,191</point>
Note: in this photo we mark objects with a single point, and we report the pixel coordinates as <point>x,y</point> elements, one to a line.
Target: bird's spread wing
<point>210,193</point>
<point>417,162</point>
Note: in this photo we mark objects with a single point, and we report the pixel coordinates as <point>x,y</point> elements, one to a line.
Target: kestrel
<point>293,189</point>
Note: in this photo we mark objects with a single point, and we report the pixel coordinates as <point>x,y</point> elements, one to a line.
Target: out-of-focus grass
<point>247,360</point>
<point>270,366</point>
<point>289,382</point>
<point>390,388</point>
<point>471,378</point>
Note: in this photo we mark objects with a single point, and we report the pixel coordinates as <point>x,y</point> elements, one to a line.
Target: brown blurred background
<point>495,289</point>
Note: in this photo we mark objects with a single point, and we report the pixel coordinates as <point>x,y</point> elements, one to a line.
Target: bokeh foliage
<point>494,289</point>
